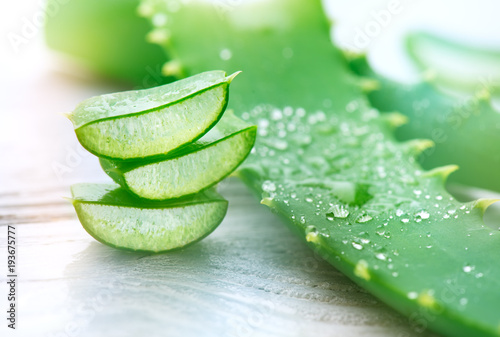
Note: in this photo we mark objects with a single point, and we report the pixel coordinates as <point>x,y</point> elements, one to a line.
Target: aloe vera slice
<point>192,169</point>
<point>114,217</point>
<point>470,124</point>
<point>328,164</point>
<point>151,122</point>
<point>455,64</point>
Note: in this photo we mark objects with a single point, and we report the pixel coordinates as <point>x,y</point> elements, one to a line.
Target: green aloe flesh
<point>192,169</point>
<point>107,36</point>
<point>114,217</point>
<point>455,64</point>
<point>151,122</point>
<point>328,164</point>
<point>465,131</point>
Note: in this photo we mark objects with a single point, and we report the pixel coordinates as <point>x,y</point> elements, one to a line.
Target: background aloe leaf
<point>105,35</point>
<point>328,164</point>
<point>465,130</point>
<point>455,64</point>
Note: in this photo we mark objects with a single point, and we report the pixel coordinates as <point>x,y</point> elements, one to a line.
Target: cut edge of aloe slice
<point>147,226</point>
<point>146,134</point>
<point>198,167</point>
<point>136,102</point>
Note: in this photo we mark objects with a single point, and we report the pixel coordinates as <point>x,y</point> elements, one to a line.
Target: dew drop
<point>363,218</point>
<point>412,295</point>
<point>422,215</point>
<point>276,115</point>
<point>225,54</point>
<point>338,211</point>
<point>357,246</point>
<point>159,19</point>
<point>268,186</point>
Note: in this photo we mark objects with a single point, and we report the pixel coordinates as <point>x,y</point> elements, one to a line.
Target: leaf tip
<point>65,114</point>
<point>71,200</point>
<point>231,77</point>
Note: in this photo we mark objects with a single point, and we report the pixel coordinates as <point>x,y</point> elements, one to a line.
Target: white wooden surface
<point>251,277</point>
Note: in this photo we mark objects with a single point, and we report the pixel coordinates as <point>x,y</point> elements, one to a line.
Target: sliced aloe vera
<point>151,122</point>
<point>116,218</point>
<point>193,168</point>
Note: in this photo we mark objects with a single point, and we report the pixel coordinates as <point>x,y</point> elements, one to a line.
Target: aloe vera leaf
<point>455,64</point>
<point>318,136</point>
<point>466,131</point>
<point>151,122</point>
<point>114,217</point>
<point>108,37</point>
<point>195,167</point>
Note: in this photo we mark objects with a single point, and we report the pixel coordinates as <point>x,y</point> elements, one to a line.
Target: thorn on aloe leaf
<point>351,56</point>
<point>395,119</point>
<point>484,203</point>
<point>417,146</point>
<point>361,270</point>
<point>172,68</point>
<point>65,114</point>
<point>368,85</point>
<point>267,201</point>
<point>159,36</point>
<point>71,200</point>
<point>145,10</point>
<point>312,237</point>
<point>443,172</point>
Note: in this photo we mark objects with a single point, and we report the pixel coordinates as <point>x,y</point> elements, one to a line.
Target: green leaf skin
<point>108,37</point>
<point>454,64</point>
<point>195,167</point>
<point>396,231</point>
<point>151,122</point>
<point>465,131</point>
<point>114,217</point>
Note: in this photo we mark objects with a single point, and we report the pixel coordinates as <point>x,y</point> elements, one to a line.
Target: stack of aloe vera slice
<point>166,147</point>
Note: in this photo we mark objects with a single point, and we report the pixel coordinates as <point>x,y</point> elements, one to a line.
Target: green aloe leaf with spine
<point>465,129</point>
<point>193,168</point>
<point>328,163</point>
